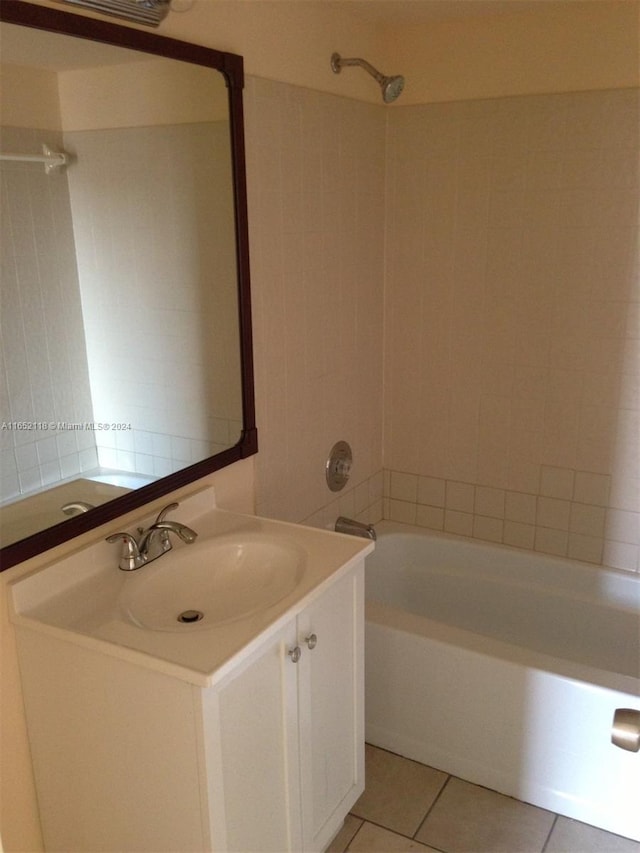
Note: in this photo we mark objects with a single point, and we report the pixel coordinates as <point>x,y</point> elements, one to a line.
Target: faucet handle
<point>164,535</point>
<point>130,558</point>
<point>163,512</point>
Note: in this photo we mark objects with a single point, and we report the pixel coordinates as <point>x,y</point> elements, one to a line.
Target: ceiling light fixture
<point>149,12</point>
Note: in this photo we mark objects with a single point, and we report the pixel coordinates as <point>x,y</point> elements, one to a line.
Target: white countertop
<point>79,598</point>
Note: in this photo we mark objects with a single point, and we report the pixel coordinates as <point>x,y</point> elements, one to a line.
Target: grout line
<point>388,829</point>
<point>380,826</point>
<point>430,809</point>
<point>548,838</point>
<point>355,834</point>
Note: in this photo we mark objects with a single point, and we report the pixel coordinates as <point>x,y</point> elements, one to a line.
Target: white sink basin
<point>201,588</point>
<point>244,574</point>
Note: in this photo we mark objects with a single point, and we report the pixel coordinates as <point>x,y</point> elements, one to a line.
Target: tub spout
<point>355,528</point>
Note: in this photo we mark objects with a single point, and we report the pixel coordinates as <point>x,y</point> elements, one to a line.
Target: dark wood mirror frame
<point>231,67</point>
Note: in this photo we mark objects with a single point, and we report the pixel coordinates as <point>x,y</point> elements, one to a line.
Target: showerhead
<point>391,86</point>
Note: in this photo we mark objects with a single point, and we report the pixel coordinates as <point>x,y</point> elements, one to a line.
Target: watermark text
<point>64,426</point>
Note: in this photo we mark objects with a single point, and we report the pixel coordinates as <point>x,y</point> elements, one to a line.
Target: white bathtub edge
<point>402,620</point>
<point>531,734</point>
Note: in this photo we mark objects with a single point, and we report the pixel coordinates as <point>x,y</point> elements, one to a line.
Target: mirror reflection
<point>120,335</point>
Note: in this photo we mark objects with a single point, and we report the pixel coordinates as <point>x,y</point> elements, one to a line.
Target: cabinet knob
<point>295,654</point>
<point>311,641</point>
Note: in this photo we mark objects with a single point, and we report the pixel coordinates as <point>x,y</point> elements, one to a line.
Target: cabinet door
<point>331,708</point>
<point>251,743</point>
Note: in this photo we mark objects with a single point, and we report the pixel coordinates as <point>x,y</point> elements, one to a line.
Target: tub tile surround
<point>363,502</point>
<point>316,189</point>
<point>41,294</point>
<point>567,517</point>
<point>111,234</point>
<point>408,806</point>
<point>497,356</point>
<point>512,353</point>
<point>58,292</point>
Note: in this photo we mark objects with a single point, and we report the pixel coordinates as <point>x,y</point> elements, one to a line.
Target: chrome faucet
<point>153,542</point>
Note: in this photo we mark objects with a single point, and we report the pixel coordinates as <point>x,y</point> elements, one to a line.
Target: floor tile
<point>571,836</point>
<point>471,819</point>
<point>375,839</point>
<point>340,843</point>
<point>398,791</point>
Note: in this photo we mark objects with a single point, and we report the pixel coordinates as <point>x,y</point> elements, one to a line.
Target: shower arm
<point>338,61</point>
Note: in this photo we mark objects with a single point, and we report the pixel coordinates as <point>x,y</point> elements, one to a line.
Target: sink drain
<point>189,616</point>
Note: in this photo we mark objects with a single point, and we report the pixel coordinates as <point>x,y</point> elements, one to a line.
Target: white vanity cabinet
<point>284,738</point>
<point>268,757</point>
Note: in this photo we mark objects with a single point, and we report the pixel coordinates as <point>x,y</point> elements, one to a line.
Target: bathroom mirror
<point>126,337</point>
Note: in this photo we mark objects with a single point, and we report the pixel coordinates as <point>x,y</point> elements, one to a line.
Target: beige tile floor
<point>410,807</point>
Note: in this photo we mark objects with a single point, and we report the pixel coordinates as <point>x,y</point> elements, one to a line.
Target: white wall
<point>29,98</point>
<point>568,46</point>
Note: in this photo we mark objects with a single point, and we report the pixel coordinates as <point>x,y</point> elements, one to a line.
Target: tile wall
<point>156,263</point>
<point>44,377</point>
<point>569,516</point>
<point>512,338</point>
<point>316,216</point>
<point>72,243</point>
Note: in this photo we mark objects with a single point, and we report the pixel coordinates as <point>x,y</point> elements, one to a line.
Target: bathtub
<point>505,667</point>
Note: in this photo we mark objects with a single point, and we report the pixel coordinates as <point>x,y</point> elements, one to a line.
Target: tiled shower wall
<point>44,378</point>
<point>152,219</point>
<point>315,166</point>
<point>128,196</point>
<point>512,322</point>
